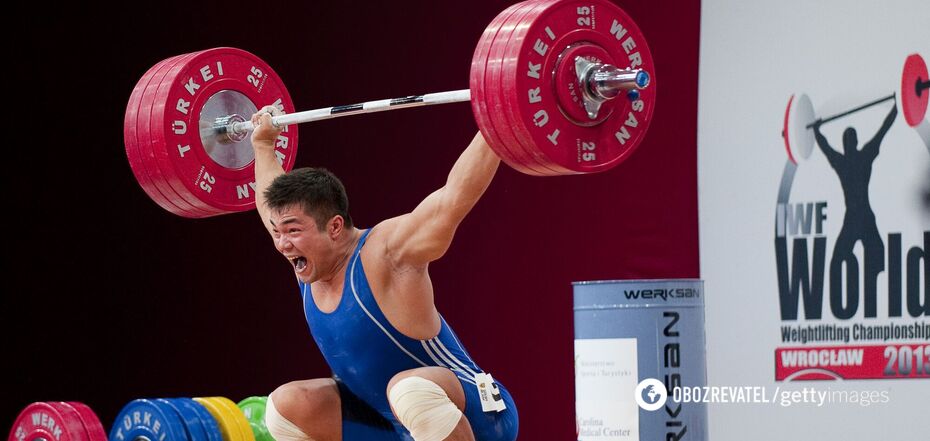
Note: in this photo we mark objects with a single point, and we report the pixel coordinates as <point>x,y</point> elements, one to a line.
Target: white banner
<point>815,238</point>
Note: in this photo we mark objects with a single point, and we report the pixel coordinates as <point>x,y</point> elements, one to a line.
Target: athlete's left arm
<point>425,234</point>
<point>872,146</point>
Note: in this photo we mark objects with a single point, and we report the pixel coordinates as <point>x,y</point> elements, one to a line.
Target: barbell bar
<point>600,82</point>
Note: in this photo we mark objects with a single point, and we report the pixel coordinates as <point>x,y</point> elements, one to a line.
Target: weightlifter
<point>399,371</point>
<point>854,168</point>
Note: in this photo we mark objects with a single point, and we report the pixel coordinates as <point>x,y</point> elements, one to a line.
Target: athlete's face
<point>298,238</point>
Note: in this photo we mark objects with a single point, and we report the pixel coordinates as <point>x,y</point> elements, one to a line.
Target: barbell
<point>800,117</point>
<point>556,88</point>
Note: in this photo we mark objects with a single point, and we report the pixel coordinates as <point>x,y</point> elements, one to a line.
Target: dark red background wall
<point>109,298</point>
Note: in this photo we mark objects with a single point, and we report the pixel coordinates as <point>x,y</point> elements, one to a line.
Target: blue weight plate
<point>210,426</point>
<point>192,424</point>
<point>144,418</point>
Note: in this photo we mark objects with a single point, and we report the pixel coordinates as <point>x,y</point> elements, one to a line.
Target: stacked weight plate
<point>58,421</point>
<point>148,419</point>
<point>175,154</point>
<point>524,88</point>
<point>183,419</point>
<point>159,419</point>
<point>485,64</point>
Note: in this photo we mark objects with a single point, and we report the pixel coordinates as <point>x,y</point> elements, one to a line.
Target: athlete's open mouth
<point>299,263</point>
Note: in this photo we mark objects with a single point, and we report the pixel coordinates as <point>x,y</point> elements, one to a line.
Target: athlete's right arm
<point>266,163</point>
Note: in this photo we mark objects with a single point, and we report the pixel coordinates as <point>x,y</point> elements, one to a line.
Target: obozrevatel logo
<point>650,394</point>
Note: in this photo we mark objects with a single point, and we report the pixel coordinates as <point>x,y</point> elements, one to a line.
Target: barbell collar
<point>601,82</point>
<point>608,81</point>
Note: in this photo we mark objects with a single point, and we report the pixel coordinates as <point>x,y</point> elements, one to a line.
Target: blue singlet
<point>364,352</point>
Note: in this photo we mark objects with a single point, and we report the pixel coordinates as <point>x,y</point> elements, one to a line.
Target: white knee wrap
<point>424,409</point>
<point>280,428</point>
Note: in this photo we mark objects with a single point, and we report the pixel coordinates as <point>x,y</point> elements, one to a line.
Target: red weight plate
<point>47,421</point>
<point>162,175</point>
<point>167,175</point>
<point>511,111</point>
<point>477,85</point>
<point>72,419</point>
<point>497,103</point>
<point>491,97</point>
<point>511,99</point>
<point>155,150</point>
<point>129,135</point>
<point>143,138</point>
<point>913,100</point>
<point>560,141</point>
<point>216,81</point>
<point>131,143</point>
<point>92,425</point>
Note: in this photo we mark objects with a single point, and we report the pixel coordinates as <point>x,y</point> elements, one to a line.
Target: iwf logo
<point>849,213</point>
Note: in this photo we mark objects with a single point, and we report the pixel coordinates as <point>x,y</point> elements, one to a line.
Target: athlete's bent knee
<point>280,428</point>
<point>424,409</point>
